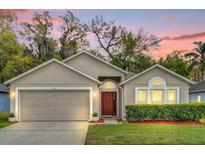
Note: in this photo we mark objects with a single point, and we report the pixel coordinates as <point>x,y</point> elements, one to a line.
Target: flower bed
<point>167,122</point>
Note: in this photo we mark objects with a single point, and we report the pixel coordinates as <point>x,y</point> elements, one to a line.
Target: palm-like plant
<point>196,59</point>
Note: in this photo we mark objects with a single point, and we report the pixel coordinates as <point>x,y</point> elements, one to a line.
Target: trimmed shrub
<point>167,112</point>
<point>95,114</point>
<point>11,115</point>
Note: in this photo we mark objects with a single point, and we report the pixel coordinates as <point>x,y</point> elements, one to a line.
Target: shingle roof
<point>198,87</point>
<point>91,55</point>
<point>4,88</point>
<point>159,66</point>
<point>129,75</point>
<point>47,63</point>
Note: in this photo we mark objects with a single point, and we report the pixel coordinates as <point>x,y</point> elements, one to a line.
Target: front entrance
<point>108,103</point>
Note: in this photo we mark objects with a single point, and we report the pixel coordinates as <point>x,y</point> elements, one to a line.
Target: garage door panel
<point>58,117</point>
<point>54,110</point>
<point>54,105</point>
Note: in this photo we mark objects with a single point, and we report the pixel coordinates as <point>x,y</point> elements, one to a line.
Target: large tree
<point>131,55</point>
<point>175,62</point>
<point>196,59</point>
<point>38,34</point>
<point>18,65</point>
<point>139,43</point>
<point>134,63</point>
<point>125,49</point>
<point>108,34</point>
<point>97,54</point>
<point>73,36</point>
<point>9,45</point>
<point>114,39</point>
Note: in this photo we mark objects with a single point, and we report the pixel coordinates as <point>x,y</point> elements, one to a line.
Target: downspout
<point>122,107</point>
<point>99,101</point>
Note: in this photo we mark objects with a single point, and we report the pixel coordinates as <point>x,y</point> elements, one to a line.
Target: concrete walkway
<point>110,121</point>
<point>44,133</point>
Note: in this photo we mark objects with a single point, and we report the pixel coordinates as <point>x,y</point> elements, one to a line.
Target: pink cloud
<point>170,18</point>
<point>172,43</point>
<point>185,37</point>
<point>184,45</point>
<point>17,11</point>
<point>179,30</point>
<point>29,21</point>
<point>55,20</point>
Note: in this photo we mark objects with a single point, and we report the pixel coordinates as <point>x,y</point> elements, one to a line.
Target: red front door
<point>108,103</point>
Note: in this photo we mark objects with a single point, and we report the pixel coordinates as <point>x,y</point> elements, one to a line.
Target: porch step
<point>110,121</point>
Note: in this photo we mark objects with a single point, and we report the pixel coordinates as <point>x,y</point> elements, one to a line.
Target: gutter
<point>122,107</point>
<point>196,91</point>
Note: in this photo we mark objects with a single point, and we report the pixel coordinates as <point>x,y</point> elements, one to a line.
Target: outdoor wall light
<point>12,94</point>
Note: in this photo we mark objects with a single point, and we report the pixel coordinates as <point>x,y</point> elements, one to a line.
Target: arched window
<point>157,82</point>
<point>157,86</point>
<point>109,85</point>
<point>157,92</point>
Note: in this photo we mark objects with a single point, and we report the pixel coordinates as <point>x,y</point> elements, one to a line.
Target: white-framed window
<point>142,95</point>
<point>198,98</point>
<point>171,96</point>
<point>156,93</point>
<point>157,96</point>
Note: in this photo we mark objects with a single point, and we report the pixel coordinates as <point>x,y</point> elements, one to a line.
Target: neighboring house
<point>197,92</point>
<point>4,99</point>
<point>84,84</point>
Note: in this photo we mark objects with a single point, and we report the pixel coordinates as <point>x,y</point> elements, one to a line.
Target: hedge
<point>167,112</point>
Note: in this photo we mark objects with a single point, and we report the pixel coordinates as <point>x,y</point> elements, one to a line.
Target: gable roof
<point>198,87</point>
<point>163,68</point>
<point>4,89</point>
<point>95,57</point>
<point>47,63</point>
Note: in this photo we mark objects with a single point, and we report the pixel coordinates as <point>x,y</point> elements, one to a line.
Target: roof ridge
<point>106,62</point>
<point>150,68</point>
<point>46,63</point>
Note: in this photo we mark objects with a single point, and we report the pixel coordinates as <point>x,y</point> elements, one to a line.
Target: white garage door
<point>62,105</point>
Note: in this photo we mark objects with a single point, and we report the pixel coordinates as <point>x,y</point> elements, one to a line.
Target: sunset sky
<point>178,28</point>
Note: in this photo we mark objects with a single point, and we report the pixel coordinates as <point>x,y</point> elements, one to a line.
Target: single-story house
<point>4,99</point>
<point>84,84</point>
<point>197,92</point>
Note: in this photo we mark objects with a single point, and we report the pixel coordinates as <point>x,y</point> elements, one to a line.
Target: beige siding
<point>55,75</point>
<point>93,67</point>
<point>52,74</point>
<point>142,81</point>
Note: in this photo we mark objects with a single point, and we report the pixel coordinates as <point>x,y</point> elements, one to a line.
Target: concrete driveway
<point>44,133</point>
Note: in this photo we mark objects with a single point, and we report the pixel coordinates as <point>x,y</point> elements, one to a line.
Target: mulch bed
<point>119,120</point>
<point>168,122</point>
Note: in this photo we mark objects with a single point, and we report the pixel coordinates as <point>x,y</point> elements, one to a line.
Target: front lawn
<point>4,124</point>
<point>4,119</point>
<point>146,134</point>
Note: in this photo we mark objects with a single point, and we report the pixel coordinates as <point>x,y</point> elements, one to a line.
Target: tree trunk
<point>202,74</point>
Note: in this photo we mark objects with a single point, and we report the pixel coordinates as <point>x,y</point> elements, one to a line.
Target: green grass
<point>202,120</point>
<point>146,134</point>
<point>4,119</point>
<point>4,124</point>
